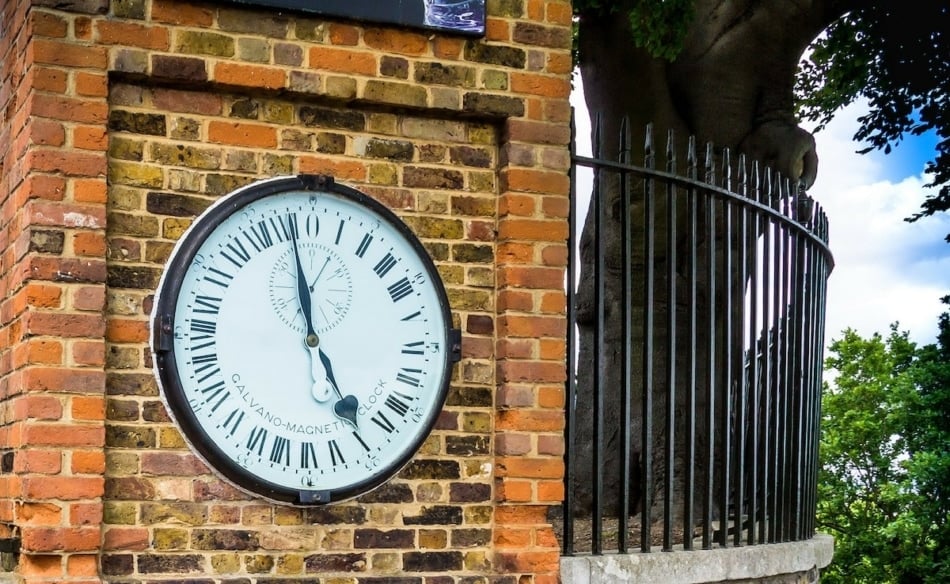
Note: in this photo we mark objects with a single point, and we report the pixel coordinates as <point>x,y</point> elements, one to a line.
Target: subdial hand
<point>319,389</point>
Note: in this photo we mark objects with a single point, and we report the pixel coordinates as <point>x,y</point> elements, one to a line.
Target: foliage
<point>894,53</point>
<point>884,484</point>
<point>897,56</point>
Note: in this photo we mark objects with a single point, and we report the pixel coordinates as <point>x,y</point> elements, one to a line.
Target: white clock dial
<point>303,340</point>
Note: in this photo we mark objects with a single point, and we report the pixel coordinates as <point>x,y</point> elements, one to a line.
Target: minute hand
<point>318,373</point>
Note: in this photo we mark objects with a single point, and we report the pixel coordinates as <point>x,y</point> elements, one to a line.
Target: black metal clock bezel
<point>165,362</point>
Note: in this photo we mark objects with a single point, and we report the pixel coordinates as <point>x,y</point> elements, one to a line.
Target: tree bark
<point>731,85</point>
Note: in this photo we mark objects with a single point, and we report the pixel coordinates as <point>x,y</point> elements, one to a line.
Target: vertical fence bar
<point>728,340</point>
<point>690,439</point>
<point>788,387</point>
<point>626,439</point>
<point>567,540</point>
<point>646,452</point>
<point>741,364</point>
<point>755,412</point>
<point>774,320</point>
<point>671,307</point>
<point>766,384</point>
<point>711,353</point>
<point>597,460</point>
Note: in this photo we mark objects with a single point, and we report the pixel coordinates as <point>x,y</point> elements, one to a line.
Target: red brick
<point>497,29</point>
<point>51,188</point>
<point>532,229</point>
<point>509,537</point>
<point>530,371</point>
<point>193,102</point>
<point>63,435</point>
<point>89,244</point>
<point>390,40</point>
<point>344,34</point>
<point>537,84</point>
<point>85,514</point>
<point>88,353</point>
<point>343,169</point>
<point>47,133</point>
<point>91,84</point>
<point>90,138</point>
<point>88,408</point>
<point>65,380</point>
<point>250,75</point>
<point>514,491</point>
<point>89,190</point>
<point>113,32</point>
<point>525,420</point>
<point>127,331</point>
<point>38,407</point>
<point>342,60</point>
<point>66,325</point>
<point>44,295</point>
<point>35,513</point>
<point>59,539</point>
<point>88,462</point>
<point>39,461</point>
<point>69,163</point>
<point>63,488</point>
<point>126,538</point>
<point>89,298</point>
<point>186,13</point>
<point>46,24</point>
<point>61,214</point>
<point>70,54</point>
<point>535,181</point>
<point>52,80</point>
<point>242,134</point>
<point>531,326</point>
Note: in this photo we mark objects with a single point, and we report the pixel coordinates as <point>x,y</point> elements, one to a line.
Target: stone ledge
<point>701,566</point>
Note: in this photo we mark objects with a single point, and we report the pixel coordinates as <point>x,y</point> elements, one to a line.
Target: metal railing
<point>695,354</point>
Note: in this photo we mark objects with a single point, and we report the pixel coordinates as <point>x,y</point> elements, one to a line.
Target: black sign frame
<point>465,17</point>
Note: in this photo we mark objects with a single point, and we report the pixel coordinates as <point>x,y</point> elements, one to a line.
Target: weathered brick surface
<point>145,111</point>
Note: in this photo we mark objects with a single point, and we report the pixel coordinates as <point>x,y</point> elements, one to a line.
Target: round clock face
<point>302,340</point>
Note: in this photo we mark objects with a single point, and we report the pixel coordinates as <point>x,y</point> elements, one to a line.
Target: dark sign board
<point>461,16</point>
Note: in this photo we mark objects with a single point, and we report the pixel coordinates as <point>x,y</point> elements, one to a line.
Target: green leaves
<point>884,483</point>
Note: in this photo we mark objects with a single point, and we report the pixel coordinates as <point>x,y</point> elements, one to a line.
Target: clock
<point>302,340</point>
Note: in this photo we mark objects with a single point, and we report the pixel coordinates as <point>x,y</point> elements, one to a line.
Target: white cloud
<point>886,270</point>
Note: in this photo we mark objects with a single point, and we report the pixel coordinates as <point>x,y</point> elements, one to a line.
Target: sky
<point>886,270</point>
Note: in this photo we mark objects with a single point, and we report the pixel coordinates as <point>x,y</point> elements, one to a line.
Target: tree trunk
<point>731,85</point>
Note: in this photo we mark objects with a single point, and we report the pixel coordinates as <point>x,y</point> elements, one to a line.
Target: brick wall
<point>121,121</point>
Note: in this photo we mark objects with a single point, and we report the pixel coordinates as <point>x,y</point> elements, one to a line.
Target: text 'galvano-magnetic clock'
<point>302,340</point>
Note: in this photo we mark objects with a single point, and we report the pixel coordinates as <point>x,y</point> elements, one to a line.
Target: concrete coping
<point>701,566</point>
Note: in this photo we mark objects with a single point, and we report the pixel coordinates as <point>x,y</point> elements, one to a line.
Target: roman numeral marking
<point>415,348</point>
<point>203,328</point>
<point>207,304</point>
<point>406,376</point>
<point>256,440</point>
<point>280,451</point>
<point>412,316</point>
<point>336,455</point>
<point>233,421</point>
<point>364,245</point>
<point>280,228</point>
<point>308,455</point>
<point>383,422</point>
<point>384,265</point>
<point>339,233</point>
<point>239,251</point>
<point>360,440</point>
<point>262,233</point>
<point>400,289</point>
<point>398,405</point>
<point>220,280</point>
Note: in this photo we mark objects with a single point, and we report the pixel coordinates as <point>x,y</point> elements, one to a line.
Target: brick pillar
<point>53,268</point>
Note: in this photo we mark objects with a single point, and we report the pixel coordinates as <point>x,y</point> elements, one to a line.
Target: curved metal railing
<point>697,326</point>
